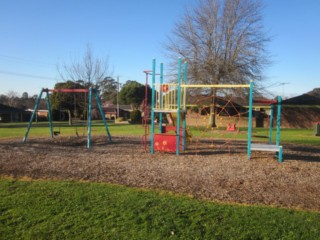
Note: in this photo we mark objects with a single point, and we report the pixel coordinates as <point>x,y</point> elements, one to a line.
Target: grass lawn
<point>78,210</point>
<point>41,129</point>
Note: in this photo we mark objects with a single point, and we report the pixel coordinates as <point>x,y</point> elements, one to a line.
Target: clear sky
<point>36,35</point>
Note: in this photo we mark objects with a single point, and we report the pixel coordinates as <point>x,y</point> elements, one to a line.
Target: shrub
<point>135,116</point>
<point>119,119</point>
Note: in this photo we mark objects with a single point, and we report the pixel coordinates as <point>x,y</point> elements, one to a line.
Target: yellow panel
<point>215,86</point>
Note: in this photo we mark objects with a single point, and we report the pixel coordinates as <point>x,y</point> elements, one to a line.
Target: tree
<point>25,96</point>
<point>90,70</point>
<point>133,93</point>
<point>315,92</point>
<point>3,99</point>
<point>223,42</point>
<point>109,89</point>
<point>13,99</point>
<point>73,103</point>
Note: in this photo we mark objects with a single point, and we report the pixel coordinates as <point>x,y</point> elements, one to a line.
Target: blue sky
<point>36,35</point>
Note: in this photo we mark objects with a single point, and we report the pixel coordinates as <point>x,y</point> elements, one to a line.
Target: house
<point>111,111</point>
<point>302,111</point>
<point>42,114</point>
<point>11,114</point>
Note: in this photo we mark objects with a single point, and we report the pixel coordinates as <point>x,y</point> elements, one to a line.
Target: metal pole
<point>178,109</point>
<point>102,113</point>
<point>118,97</point>
<point>152,106</point>
<point>49,114</point>
<point>184,121</point>
<point>278,121</point>
<point>89,118</point>
<point>161,97</point>
<point>271,123</point>
<point>145,112</point>
<point>250,120</point>
<point>32,116</point>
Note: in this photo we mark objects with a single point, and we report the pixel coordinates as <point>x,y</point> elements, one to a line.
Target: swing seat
<point>56,133</point>
<point>231,127</point>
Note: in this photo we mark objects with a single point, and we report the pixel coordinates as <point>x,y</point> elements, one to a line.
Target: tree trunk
<point>212,118</point>
<point>70,117</point>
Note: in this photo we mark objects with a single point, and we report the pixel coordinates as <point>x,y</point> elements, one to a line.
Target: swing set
<point>91,91</point>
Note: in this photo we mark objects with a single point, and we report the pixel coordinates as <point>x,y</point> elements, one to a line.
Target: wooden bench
<point>268,148</point>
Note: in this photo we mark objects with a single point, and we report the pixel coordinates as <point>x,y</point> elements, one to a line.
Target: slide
<point>172,119</point>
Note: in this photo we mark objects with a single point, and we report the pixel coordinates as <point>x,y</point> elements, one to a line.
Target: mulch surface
<point>207,170</point>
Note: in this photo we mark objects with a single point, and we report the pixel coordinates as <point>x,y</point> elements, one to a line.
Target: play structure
<point>169,101</point>
<point>91,91</point>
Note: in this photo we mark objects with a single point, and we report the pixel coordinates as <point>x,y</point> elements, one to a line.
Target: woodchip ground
<point>207,170</point>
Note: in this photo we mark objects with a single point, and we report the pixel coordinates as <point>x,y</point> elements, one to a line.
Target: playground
<point>225,163</point>
<point>218,174</point>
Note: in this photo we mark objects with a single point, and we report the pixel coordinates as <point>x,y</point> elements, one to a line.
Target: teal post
<point>161,97</point>
<point>49,114</point>
<point>32,117</point>
<point>280,154</point>
<point>102,113</point>
<point>152,106</point>
<point>89,118</point>
<point>250,119</point>
<point>278,121</point>
<point>178,110</point>
<point>271,123</point>
<point>184,122</point>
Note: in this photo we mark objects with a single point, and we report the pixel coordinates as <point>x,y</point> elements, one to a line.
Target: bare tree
<point>89,69</point>
<point>223,42</point>
<point>13,98</point>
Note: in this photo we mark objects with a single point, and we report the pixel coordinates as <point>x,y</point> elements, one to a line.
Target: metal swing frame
<point>90,91</point>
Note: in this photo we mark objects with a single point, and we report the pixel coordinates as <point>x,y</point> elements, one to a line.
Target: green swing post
<point>32,116</point>
<point>49,114</point>
<point>102,114</point>
<point>89,118</point>
<point>250,120</point>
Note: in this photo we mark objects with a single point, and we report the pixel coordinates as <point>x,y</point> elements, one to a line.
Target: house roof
<point>6,108</point>
<point>304,99</point>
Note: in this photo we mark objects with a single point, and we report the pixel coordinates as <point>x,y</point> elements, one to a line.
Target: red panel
<point>265,101</point>
<point>166,142</point>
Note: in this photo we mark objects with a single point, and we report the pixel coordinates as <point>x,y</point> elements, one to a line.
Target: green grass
<point>296,136</point>
<point>77,210</point>
<point>41,129</point>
